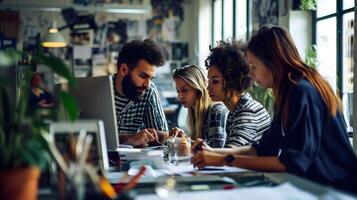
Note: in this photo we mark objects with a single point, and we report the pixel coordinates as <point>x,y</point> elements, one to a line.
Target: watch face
<point>229,158</point>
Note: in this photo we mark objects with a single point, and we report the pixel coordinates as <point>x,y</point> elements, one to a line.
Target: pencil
<point>132,183</point>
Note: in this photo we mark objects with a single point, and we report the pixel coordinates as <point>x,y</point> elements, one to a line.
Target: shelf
<point>107,8</point>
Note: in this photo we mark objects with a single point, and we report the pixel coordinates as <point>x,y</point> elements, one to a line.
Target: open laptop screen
<point>96,101</point>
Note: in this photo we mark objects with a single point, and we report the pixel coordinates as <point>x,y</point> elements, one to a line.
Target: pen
<point>132,183</point>
<point>155,143</point>
<point>198,148</point>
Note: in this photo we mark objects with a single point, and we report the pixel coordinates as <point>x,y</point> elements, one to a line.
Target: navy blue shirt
<point>314,144</point>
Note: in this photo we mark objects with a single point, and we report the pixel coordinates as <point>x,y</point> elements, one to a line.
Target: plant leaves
<point>34,152</point>
<point>70,104</point>
<point>9,57</point>
<point>58,66</point>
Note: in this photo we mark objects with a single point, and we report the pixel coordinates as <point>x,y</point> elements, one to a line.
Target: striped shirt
<point>213,129</point>
<point>247,122</point>
<point>134,116</point>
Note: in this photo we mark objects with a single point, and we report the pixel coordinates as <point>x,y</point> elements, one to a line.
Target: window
<point>241,17</point>
<point>229,19</point>
<point>217,21</point>
<point>335,48</point>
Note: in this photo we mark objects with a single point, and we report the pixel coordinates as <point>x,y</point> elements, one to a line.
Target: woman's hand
<point>206,158</point>
<point>176,132</point>
<point>200,145</point>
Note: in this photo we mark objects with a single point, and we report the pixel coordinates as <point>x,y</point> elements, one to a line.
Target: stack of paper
<point>128,155</point>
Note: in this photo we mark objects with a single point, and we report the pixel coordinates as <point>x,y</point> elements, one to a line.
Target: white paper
<point>283,192</point>
<point>82,52</point>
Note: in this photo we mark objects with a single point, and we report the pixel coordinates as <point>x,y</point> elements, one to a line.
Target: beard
<point>131,90</point>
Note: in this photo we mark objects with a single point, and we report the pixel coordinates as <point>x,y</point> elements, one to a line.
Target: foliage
<point>21,143</point>
<point>311,56</point>
<point>308,4</point>
<point>263,96</point>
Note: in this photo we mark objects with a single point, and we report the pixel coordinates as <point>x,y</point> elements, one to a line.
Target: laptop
<point>96,101</point>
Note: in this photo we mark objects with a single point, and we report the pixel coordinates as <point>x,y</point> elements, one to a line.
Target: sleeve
<point>268,144</point>
<point>301,141</point>
<point>216,128</point>
<point>243,130</point>
<point>154,116</point>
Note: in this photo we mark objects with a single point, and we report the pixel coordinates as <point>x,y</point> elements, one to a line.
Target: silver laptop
<point>96,101</point>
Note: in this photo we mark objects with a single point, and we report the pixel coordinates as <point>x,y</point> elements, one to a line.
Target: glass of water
<point>179,150</point>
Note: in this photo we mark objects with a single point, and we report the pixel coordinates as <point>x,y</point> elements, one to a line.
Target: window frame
<point>339,39</point>
<point>234,33</point>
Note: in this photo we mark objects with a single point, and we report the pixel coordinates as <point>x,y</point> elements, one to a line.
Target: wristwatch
<point>229,160</point>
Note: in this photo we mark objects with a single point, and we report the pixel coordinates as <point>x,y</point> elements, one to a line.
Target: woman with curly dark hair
<point>228,78</point>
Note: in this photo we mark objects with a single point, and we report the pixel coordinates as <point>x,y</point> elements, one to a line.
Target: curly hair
<point>136,50</point>
<point>230,59</point>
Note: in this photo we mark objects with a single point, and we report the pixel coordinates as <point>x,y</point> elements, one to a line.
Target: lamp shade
<point>53,39</point>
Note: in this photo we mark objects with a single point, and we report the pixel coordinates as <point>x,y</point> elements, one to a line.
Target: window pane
<point>228,19</point>
<point>348,4</point>
<point>326,49</point>
<point>348,51</point>
<point>217,29</point>
<point>348,20</point>
<point>241,19</point>
<point>325,7</point>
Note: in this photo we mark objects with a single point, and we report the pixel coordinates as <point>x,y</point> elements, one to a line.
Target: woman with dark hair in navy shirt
<point>308,134</point>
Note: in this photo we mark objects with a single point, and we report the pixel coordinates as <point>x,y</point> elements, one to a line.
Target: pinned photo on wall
<point>170,29</point>
<point>264,12</point>
<point>154,29</point>
<point>136,29</point>
<point>179,51</point>
<point>82,37</point>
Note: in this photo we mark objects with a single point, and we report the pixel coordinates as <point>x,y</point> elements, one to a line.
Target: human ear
<point>123,69</point>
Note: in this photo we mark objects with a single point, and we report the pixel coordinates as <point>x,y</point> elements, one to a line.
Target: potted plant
<point>23,151</point>
<point>308,4</point>
<point>311,56</point>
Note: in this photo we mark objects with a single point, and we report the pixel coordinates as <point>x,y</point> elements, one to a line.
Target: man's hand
<point>143,137</point>
<point>206,158</point>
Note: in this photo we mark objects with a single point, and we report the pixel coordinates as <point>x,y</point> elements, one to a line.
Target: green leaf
<point>263,96</point>
<point>9,57</point>
<point>58,66</point>
<point>34,152</point>
<point>70,104</point>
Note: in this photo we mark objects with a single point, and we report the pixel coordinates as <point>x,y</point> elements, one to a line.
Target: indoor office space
<point>178,99</point>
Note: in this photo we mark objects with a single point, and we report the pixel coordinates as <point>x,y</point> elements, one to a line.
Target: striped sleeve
<point>247,125</point>
<point>154,115</point>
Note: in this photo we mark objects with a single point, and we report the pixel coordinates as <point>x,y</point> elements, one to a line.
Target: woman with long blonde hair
<point>205,120</point>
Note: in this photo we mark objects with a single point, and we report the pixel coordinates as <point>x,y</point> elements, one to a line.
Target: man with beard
<point>139,113</point>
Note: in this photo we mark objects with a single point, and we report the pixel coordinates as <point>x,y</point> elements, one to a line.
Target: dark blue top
<point>314,144</point>
<point>34,100</point>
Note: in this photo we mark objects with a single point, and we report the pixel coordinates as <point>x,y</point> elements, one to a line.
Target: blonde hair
<point>195,77</point>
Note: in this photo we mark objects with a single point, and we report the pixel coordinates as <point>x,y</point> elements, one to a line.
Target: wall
<point>299,24</point>
<point>189,29</point>
<point>204,30</point>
